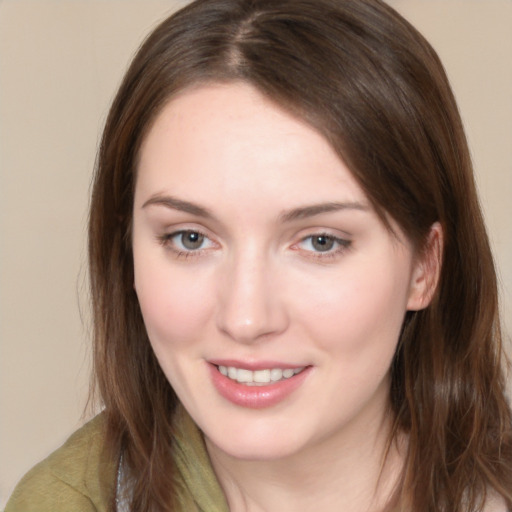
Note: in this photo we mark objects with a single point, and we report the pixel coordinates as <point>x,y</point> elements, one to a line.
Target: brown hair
<point>372,85</point>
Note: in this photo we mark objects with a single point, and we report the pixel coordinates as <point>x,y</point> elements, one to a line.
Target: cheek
<point>358,315</point>
<point>175,305</point>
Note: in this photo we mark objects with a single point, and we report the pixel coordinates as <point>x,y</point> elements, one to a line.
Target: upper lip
<point>255,365</point>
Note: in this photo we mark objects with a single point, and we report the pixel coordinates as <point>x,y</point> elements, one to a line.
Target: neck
<point>353,471</point>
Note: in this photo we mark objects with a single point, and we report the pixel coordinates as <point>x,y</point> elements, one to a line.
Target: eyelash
<point>341,245</point>
<point>167,241</point>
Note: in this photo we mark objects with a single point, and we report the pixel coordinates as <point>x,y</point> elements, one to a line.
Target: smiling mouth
<point>258,377</point>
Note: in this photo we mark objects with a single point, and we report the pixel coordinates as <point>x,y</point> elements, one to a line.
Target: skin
<point>223,162</point>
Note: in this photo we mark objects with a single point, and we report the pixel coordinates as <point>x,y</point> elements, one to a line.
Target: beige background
<point>60,63</point>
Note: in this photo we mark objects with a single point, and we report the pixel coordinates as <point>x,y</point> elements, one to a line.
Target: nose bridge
<point>249,303</point>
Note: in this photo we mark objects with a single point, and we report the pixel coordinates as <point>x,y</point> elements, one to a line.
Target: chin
<point>248,449</point>
<point>257,438</point>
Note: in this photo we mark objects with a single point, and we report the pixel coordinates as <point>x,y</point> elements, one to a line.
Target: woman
<point>294,297</point>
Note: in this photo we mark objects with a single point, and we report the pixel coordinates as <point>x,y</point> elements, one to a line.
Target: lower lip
<point>256,397</point>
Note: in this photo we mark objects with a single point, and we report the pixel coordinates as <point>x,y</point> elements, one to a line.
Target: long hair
<point>369,82</point>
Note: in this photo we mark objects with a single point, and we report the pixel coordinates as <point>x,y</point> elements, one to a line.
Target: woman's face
<point>272,294</point>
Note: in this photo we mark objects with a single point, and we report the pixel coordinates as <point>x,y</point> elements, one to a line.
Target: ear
<point>426,270</point>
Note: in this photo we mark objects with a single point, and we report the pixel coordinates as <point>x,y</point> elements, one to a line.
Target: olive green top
<point>79,477</point>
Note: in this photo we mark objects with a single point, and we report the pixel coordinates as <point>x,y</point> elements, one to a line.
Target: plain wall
<point>60,63</point>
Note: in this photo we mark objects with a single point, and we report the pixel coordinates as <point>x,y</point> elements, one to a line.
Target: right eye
<point>187,241</point>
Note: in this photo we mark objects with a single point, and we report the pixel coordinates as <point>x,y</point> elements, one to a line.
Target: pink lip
<point>255,397</point>
<point>254,365</point>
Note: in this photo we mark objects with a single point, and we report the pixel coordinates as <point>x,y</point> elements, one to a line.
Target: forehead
<point>225,138</point>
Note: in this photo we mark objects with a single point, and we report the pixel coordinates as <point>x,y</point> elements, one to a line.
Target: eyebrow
<point>179,204</point>
<point>299,213</point>
<point>317,209</point>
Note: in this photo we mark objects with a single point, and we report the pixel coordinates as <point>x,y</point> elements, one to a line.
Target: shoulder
<point>495,503</point>
<point>78,477</point>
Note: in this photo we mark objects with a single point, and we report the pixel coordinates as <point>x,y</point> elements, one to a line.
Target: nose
<point>251,305</point>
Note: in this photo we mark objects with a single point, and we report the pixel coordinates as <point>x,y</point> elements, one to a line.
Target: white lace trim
<point>122,490</point>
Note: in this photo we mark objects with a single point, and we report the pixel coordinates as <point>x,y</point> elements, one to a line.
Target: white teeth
<point>244,375</point>
<point>276,374</point>
<point>258,377</point>
<point>262,376</point>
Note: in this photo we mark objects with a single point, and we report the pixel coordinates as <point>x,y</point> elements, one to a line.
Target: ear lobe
<point>426,271</point>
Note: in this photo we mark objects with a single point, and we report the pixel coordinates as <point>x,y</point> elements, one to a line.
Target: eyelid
<point>166,240</point>
<point>342,244</point>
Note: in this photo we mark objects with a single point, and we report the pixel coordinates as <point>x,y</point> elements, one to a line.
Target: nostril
<point>249,307</point>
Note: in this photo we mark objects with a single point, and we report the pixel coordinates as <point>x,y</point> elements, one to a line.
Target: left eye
<point>323,243</point>
<point>189,240</point>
